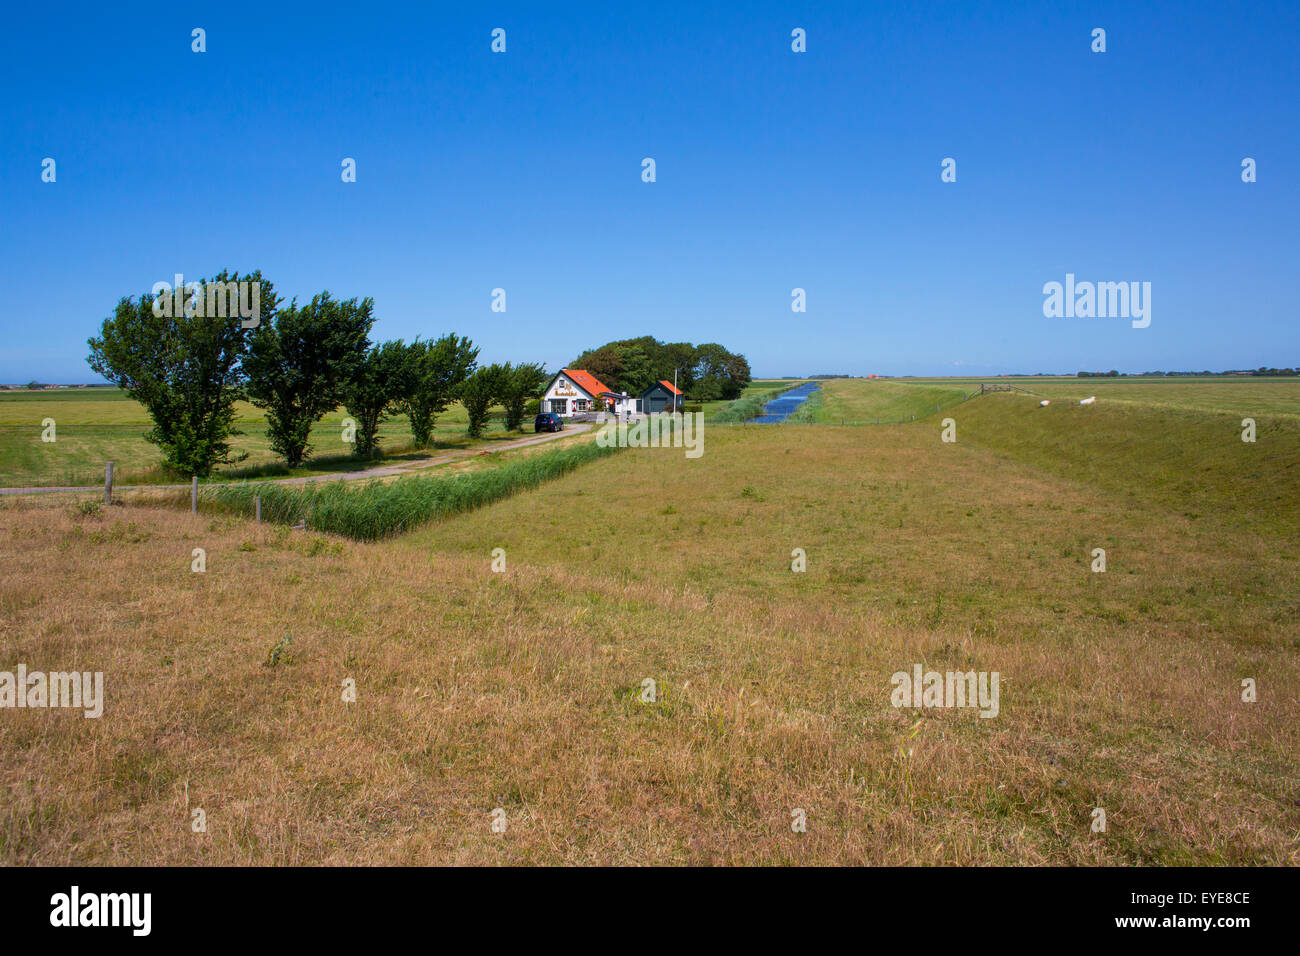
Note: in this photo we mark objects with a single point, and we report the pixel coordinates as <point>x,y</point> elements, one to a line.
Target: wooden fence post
<point>108,483</point>
<point>194,494</point>
<point>257,506</point>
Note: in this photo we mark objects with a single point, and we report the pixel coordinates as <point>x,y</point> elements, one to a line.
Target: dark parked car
<point>548,422</point>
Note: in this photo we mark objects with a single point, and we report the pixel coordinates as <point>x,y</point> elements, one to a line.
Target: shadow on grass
<point>329,464</point>
<point>342,464</point>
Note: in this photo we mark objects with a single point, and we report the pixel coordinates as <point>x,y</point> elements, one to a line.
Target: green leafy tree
<point>737,375</point>
<point>638,370</point>
<point>719,373</point>
<point>478,393</point>
<point>706,390</point>
<point>436,369</point>
<point>606,363</point>
<point>297,363</point>
<point>184,369</point>
<point>380,380</point>
<point>679,357</point>
<point>705,372</point>
<point>519,383</point>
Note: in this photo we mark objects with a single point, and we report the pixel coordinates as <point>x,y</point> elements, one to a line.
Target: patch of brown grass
<point>520,690</point>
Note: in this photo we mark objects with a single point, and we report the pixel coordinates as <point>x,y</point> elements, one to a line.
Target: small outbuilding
<point>662,396</point>
<point>623,405</point>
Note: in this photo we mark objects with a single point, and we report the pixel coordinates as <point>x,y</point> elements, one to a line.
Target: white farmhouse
<point>573,392</point>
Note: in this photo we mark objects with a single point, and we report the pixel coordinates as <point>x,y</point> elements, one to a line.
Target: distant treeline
<point>1261,371</point>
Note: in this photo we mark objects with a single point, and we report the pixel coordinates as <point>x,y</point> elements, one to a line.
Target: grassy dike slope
<point>864,401</point>
<point>519,689</point>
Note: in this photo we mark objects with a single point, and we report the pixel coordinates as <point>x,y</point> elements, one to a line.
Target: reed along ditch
<point>371,510</point>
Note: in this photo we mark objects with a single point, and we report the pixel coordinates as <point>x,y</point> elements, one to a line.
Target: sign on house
<point>572,392</point>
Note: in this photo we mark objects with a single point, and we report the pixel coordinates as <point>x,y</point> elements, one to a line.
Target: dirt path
<point>383,471</point>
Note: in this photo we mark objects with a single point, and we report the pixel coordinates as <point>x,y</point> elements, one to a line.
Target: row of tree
<point>298,364</point>
<point>1263,372</point>
<point>705,373</point>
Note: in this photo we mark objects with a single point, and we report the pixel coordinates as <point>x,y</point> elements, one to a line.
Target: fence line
<point>1006,387</point>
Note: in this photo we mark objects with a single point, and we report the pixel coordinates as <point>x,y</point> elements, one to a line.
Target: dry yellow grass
<point>518,690</point>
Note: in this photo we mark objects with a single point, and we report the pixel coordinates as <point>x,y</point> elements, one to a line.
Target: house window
<point>559,405</point>
<point>579,404</point>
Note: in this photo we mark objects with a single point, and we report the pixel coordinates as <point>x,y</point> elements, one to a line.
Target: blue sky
<point>775,170</point>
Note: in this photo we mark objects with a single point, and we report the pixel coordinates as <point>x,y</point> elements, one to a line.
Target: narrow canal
<point>781,407</point>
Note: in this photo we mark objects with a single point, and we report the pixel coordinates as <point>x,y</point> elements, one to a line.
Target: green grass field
<point>1244,396</point>
<point>93,426</point>
<point>518,686</point>
<point>854,401</point>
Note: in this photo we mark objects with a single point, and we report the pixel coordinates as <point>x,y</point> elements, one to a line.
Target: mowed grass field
<point>519,690</point>
<point>93,426</point>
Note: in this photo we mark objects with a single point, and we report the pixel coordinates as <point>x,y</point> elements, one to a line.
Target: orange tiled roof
<point>585,381</point>
<point>669,385</point>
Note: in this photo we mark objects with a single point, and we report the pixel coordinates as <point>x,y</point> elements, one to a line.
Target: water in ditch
<point>785,404</point>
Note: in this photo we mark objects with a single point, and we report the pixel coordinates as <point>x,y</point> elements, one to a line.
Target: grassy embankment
<point>1230,395</point>
<point>871,402</point>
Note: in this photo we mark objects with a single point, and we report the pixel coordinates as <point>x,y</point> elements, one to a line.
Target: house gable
<point>569,387</point>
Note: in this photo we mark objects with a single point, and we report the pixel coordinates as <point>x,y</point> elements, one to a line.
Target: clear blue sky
<point>775,170</point>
